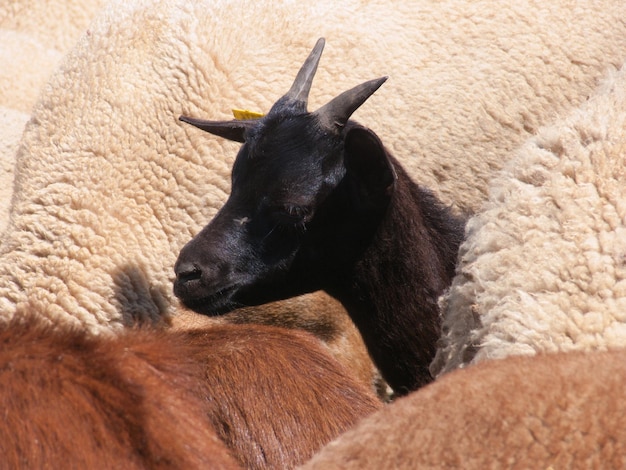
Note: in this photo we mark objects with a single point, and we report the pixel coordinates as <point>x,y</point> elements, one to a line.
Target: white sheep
<point>33,40</point>
<point>544,265</point>
<point>110,185</point>
<point>12,124</point>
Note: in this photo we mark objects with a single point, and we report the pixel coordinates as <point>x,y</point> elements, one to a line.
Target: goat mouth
<point>213,305</point>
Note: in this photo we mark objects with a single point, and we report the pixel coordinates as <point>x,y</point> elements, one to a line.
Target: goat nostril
<point>188,272</point>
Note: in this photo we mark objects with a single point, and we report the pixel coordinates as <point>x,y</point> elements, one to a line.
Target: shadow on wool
<point>140,301</point>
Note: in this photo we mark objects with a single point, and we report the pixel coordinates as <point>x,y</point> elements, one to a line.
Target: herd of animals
<point>317,202</point>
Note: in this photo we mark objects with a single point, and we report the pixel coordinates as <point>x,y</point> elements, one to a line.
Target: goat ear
<point>367,160</point>
<point>231,130</point>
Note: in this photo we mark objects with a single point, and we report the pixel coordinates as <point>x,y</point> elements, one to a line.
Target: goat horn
<point>299,91</point>
<point>231,130</point>
<point>335,113</point>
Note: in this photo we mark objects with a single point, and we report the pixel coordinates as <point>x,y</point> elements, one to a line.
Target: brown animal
<point>219,397</point>
<point>73,401</point>
<point>318,314</point>
<point>548,411</point>
<point>276,396</point>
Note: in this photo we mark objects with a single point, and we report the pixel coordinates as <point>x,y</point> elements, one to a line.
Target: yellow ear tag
<point>243,114</point>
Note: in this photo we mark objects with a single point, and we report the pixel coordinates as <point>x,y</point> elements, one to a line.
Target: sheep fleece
<point>544,265</point>
<point>109,185</point>
<point>32,43</point>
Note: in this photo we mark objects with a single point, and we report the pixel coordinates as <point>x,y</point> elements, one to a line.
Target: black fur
<point>312,210</point>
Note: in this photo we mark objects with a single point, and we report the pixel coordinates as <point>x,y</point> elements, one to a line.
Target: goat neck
<point>391,289</point>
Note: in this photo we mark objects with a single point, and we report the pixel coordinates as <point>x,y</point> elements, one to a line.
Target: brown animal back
<point>277,396</point>
<point>71,401</point>
<point>159,399</point>
<point>563,410</point>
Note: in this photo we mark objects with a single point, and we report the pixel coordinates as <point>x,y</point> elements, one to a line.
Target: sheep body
<point>12,124</point>
<point>33,40</point>
<point>109,186</point>
<point>562,410</point>
<point>217,397</point>
<point>544,265</point>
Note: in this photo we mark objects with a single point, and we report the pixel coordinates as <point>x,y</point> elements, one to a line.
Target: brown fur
<point>550,411</point>
<point>155,398</point>
<point>277,396</point>
<point>71,401</point>
<point>317,313</point>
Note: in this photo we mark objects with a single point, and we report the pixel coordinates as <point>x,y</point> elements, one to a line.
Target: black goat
<point>318,203</point>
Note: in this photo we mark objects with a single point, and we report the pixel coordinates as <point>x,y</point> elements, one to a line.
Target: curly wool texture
<point>544,265</point>
<point>11,124</point>
<point>34,37</point>
<point>110,185</point>
<point>33,40</point>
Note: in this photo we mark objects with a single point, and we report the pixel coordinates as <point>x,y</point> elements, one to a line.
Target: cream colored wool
<point>26,65</point>
<point>12,123</point>
<point>34,37</point>
<point>110,185</point>
<point>544,265</point>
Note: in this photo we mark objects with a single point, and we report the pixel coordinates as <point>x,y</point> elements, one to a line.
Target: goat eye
<point>290,214</point>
